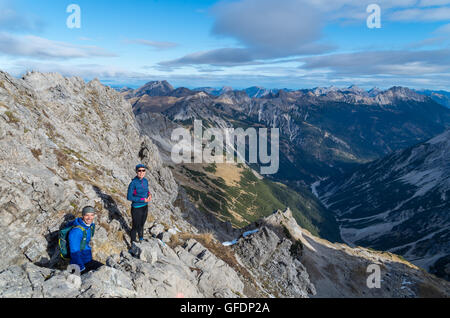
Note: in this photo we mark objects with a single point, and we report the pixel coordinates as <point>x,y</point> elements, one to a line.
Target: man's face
<point>88,218</point>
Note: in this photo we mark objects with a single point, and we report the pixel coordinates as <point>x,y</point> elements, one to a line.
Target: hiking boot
<point>135,250</point>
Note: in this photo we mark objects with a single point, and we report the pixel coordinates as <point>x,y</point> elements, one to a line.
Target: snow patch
<point>245,234</point>
<point>314,188</point>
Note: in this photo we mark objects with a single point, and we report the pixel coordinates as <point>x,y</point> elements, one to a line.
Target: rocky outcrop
<point>66,144</point>
<point>276,264</point>
<point>155,270</point>
<point>335,270</point>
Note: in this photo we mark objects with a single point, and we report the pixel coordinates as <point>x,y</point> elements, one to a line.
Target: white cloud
<point>352,11</point>
<point>429,15</point>
<point>38,47</point>
<point>266,30</point>
<point>392,63</point>
<point>155,44</point>
<point>272,29</point>
<point>431,3</point>
<point>280,77</point>
<point>86,71</point>
<point>279,28</point>
<point>445,29</point>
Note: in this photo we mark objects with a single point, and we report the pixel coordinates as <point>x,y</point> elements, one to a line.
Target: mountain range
<point>398,203</point>
<point>439,96</point>
<point>66,143</point>
<point>326,133</point>
<point>322,130</point>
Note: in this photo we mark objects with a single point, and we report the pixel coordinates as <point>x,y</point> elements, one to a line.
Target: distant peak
<point>399,93</point>
<point>158,83</point>
<point>155,88</point>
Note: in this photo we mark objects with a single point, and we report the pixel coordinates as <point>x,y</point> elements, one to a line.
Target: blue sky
<point>239,43</point>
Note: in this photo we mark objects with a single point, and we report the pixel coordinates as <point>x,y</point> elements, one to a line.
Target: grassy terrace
<point>240,197</point>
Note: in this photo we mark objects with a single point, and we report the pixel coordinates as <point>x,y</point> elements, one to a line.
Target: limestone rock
<point>216,278</point>
<point>107,282</point>
<point>272,260</point>
<point>165,236</point>
<point>68,144</point>
<point>157,229</point>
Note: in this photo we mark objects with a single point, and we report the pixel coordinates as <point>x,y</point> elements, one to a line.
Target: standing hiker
<point>140,196</point>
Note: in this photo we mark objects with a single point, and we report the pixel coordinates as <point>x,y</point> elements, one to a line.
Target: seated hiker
<point>140,196</point>
<point>79,237</point>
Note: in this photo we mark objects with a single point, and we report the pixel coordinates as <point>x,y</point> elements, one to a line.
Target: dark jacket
<point>138,192</point>
<point>77,256</point>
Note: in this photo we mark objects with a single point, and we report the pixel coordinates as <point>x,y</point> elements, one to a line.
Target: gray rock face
<point>66,144</point>
<point>274,261</point>
<point>107,282</point>
<point>80,146</point>
<point>336,270</point>
<point>157,229</point>
<point>31,281</point>
<point>157,271</point>
<point>215,277</point>
<point>165,237</point>
<point>149,253</point>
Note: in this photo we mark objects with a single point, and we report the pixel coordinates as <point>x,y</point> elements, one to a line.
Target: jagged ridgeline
<point>322,131</point>
<point>65,144</point>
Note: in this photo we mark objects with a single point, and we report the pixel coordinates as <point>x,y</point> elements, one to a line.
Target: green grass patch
<point>12,119</point>
<point>212,168</point>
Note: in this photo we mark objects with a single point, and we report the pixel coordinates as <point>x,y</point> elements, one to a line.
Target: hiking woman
<point>140,196</point>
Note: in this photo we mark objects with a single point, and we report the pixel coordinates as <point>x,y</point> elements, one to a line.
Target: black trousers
<point>91,266</point>
<point>139,216</point>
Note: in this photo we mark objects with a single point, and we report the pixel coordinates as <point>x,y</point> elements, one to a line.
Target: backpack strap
<point>83,240</point>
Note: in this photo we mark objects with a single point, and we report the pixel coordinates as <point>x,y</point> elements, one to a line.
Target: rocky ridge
<point>66,144</point>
